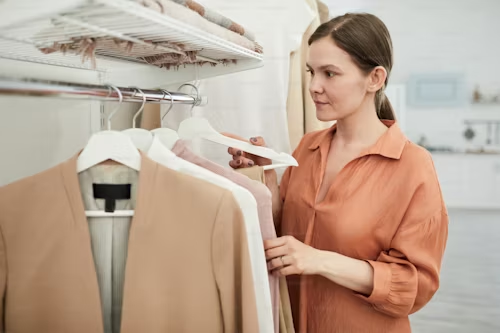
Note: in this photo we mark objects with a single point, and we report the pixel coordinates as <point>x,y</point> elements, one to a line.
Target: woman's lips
<point>320,104</point>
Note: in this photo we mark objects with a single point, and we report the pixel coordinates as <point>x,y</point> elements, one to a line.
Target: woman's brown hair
<point>367,40</point>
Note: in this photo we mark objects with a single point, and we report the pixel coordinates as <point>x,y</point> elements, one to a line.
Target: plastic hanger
<point>166,136</point>
<point>197,127</point>
<point>197,81</point>
<point>141,138</point>
<point>109,145</point>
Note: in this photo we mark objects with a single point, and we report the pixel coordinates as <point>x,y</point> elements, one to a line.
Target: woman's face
<point>338,86</point>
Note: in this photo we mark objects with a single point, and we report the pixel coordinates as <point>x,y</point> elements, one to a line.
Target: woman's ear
<point>377,79</point>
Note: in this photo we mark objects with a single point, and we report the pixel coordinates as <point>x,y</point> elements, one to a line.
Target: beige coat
<point>188,267</point>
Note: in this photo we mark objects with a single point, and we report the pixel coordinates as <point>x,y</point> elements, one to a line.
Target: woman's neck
<point>361,128</point>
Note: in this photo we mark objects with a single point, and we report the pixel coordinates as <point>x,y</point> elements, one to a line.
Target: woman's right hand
<point>241,159</point>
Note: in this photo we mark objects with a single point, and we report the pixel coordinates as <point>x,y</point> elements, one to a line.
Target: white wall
<point>38,133</point>
<point>432,36</point>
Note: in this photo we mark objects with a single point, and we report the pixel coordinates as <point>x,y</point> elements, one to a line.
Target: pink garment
<point>264,206</point>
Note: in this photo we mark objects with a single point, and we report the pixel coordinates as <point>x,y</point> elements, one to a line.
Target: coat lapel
<point>141,220</point>
<point>90,290</point>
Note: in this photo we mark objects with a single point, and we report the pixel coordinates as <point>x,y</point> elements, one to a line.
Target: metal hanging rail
<point>40,88</point>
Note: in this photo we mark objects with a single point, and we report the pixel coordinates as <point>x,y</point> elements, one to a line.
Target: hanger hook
<point>110,91</point>
<point>120,101</point>
<point>142,106</point>
<point>165,92</point>
<point>196,99</point>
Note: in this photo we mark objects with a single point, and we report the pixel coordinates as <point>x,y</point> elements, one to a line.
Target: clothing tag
<point>110,193</point>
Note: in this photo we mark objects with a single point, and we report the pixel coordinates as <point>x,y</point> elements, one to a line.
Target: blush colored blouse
<point>384,207</point>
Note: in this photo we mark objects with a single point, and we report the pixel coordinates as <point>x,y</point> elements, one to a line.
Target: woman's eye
<point>330,74</point>
<point>310,71</point>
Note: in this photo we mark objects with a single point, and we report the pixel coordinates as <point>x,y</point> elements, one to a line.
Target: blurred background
<point>445,87</point>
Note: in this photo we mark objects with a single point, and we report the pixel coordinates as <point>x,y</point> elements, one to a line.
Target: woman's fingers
<point>235,151</point>
<point>258,141</point>
<point>276,242</point>
<point>276,252</point>
<point>275,264</point>
<point>241,162</point>
<point>235,164</point>
<point>247,159</point>
<point>285,271</point>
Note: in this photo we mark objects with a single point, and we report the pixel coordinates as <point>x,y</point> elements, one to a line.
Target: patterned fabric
<point>216,18</point>
<point>212,22</point>
<point>153,52</point>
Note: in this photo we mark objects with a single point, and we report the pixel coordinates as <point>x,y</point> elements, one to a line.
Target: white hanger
<point>109,145</point>
<point>168,137</point>
<point>141,138</point>
<point>196,75</point>
<point>197,127</point>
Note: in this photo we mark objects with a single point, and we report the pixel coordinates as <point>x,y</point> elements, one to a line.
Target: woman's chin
<point>324,115</point>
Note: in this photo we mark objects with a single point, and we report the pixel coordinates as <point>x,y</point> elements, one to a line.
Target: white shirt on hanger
<point>160,154</point>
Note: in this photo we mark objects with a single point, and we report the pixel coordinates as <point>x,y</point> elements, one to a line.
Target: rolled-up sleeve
<point>407,275</point>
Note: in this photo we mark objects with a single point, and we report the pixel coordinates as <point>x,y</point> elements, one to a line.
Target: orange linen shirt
<point>384,207</point>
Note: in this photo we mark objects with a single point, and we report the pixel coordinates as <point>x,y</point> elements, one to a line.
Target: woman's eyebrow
<point>323,67</point>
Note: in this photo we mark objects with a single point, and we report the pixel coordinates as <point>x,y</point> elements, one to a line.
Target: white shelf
<point>28,25</point>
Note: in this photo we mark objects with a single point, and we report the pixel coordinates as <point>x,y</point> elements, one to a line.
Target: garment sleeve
<point>233,270</point>
<point>407,275</point>
<point>3,281</point>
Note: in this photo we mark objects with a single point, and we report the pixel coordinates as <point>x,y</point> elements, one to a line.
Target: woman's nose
<point>315,87</point>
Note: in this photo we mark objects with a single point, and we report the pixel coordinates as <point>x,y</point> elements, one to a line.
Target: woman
<point>362,217</point>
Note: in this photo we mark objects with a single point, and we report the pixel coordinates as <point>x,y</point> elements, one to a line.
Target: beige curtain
<point>301,111</point>
<point>324,12</point>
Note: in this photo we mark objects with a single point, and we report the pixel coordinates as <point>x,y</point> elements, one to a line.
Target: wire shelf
<point>15,50</point>
<point>125,30</point>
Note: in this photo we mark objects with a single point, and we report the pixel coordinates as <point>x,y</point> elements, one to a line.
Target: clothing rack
<point>57,89</point>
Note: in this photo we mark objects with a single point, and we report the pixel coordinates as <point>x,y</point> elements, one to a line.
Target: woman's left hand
<point>288,256</point>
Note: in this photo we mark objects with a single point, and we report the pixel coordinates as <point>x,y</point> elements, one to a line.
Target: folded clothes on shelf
<point>213,22</point>
<point>152,44</point>
<point>216,18</point>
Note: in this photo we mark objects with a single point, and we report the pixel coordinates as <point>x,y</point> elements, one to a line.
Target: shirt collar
<point>390,144</point>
